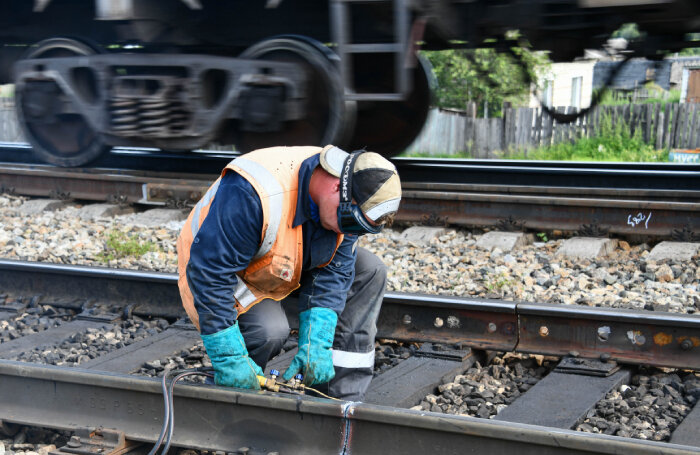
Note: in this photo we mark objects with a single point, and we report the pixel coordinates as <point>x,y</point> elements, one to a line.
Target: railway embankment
<point>448,262</point>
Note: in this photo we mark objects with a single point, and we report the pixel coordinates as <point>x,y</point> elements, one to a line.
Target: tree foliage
<point>484,76</point>
<point>692,51</point>
<point>629,31</point>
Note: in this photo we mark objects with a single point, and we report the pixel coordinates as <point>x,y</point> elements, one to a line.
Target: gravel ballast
<point>484,391</point>
<point>448,265</point>
<point>32,320</point>
<point>32,441</point>
<point>92,343</point>
<point>650,407</point>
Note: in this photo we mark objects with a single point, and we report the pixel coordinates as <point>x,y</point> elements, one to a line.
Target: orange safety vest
<point>275,270</point>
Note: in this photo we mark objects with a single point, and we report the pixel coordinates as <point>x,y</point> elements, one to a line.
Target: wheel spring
<point>125,115</point>
<point>150,117</point>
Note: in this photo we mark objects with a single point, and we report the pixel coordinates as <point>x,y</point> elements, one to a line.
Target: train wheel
<point>329,117</point>
<point>58,138</point>
<point>388,127</point>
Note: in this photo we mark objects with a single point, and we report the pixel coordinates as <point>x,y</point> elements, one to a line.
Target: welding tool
<point>294,386</point>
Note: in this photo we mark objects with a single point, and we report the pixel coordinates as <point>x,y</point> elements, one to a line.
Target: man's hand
<point>315,358</point>
<point>229,357</point>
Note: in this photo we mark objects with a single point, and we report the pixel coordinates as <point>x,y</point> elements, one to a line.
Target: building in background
<point>633,80</point>
<point>686,73</point>
<point>630,82</point>
<point>566,85</point>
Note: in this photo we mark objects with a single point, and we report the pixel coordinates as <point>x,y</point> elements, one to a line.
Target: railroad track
<point>599,351</point>
<point>539,196</point>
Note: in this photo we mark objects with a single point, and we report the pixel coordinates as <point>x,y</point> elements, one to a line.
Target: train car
<point>180,74</point>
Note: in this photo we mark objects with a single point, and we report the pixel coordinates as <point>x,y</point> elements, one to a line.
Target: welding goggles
<point>351,220</point>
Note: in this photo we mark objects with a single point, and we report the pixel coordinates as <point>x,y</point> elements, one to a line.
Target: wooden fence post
<point>668,126</point>
<point>471,109</point>
<point>538,127</point>
<point>507,121</point>
<point>660,121</point>
<point>694,141</point>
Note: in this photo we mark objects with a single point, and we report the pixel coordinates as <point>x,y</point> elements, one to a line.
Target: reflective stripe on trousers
<point>347,359</point>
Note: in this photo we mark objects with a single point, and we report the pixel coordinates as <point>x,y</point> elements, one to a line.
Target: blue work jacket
<point>234,224</point>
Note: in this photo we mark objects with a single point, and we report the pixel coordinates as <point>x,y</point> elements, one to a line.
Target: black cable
<point>172,407</point>
<point>166,413</point>
<point>169,409</point>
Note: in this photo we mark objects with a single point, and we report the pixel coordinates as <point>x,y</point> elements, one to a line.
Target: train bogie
<point>180,74</point>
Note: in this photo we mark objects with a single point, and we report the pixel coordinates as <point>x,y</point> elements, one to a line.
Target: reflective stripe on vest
<point>242,294</point>
<point>208,196</point>
<point>275,199</point>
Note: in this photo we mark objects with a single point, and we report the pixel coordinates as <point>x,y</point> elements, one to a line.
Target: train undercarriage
<point>180,74</point>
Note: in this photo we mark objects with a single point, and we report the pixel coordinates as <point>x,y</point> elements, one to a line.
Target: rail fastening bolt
<point>686,345</point>
<point>492,327</point>
<point>544,331</point>
<point>406,319</point>
<point>74,442</point>
<point>438,322</point>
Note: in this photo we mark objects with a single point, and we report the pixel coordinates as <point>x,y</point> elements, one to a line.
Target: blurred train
<point>180,74</point>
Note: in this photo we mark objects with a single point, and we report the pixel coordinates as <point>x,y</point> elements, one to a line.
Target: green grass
<point>611,143</point>
<point>497,282</point>
<point>120,245</point>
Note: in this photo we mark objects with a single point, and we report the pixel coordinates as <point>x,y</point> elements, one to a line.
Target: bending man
<point>283,220</point>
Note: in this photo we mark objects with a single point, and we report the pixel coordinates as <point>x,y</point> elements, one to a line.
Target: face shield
<point>351,220</point>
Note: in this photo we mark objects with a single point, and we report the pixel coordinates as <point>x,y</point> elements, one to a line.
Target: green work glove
<point>315,358</point>
<point>229,357</point>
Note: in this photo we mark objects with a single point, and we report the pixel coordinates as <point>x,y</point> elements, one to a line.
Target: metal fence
<point>666,125</point>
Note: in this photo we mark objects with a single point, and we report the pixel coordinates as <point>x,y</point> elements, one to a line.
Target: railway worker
<point>283,220</point>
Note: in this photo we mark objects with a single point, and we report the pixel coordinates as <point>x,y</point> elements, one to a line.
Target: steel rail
<point>548,211</point>
<point>195,162</point>
<point>213,418</point>
<point>532,207</point>
<point>551,173</point>
<point>101,184</point>
<point>625,336</point>
<point>514,172</point>
<point>636,193</point>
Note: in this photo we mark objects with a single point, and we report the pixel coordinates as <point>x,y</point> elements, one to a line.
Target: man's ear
<point>336,186</point>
